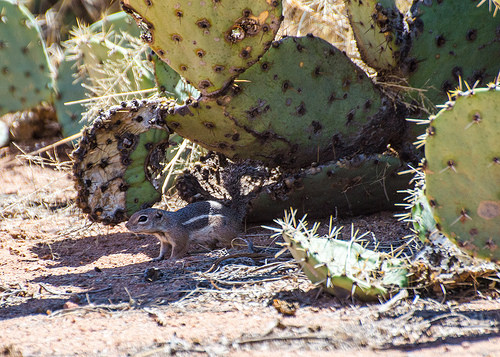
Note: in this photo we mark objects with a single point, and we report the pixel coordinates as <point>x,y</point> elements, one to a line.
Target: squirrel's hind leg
<point>179,248</point>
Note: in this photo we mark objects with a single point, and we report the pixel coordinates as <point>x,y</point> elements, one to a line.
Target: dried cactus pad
<point>118,162</point>
<point>25,73</point>
<point>207,42</point>
<point>463,171</point>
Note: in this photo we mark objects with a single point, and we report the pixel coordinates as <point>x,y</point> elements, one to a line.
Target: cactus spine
<point>342,268</point>
<point>118,163</point>
<point>462,170</point>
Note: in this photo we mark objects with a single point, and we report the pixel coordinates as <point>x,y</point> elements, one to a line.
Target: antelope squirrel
<point>207,222</point>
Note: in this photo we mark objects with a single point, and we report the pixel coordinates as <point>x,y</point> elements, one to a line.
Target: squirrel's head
<point>146,221</point>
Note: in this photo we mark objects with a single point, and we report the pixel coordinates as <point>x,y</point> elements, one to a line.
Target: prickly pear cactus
<point>115,24</point>
<point>379,32</point>
<point>495,3</point>
<point>342,268</point>
<point>304,100</point>
<point>269,115</point>
<point>361,185</point>
<point>446,46</point>
<point>427,48</point>
<point>111,67</point>
<point>208,42</point>
<point>462,170</point>
<point>99,60</point>
<point>418,213</point>
<point>118,162</point>
<point>70,87</point>
<point>25,70</point>
<point>170,84</point>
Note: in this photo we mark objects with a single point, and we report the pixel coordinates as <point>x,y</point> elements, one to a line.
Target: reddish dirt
<point>69,287</point>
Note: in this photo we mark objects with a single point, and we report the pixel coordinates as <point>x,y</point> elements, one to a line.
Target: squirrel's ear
<point>158,215</point>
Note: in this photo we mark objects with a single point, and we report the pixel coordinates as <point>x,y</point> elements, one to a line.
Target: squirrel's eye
<point>143,218</point>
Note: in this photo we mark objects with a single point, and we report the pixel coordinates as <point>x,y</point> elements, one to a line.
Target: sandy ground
<point>71,288</point>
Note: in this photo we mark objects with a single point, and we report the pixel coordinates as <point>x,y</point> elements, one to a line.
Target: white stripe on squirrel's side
<point>197,218</point>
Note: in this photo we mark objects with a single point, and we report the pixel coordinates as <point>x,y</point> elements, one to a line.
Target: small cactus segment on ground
<point>446,46</point>
<point>304,100</point>
<point>378,29</point>
<point>342,268</point>
<point>25,70</point>
<point>361,185</point>
<point>118,163</point>
<point>462,170</point>
<point>207,42</point>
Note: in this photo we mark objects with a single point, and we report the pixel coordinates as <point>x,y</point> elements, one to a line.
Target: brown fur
<point>207,222</point>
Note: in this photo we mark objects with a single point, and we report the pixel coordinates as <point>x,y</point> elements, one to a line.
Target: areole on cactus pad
<point>119,161</point>
<point>207,42</point>
<point>462,170</point>
<point>303,101</point>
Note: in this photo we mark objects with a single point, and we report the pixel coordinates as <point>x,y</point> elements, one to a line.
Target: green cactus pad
<point>447,45</point>
<point>97,50</point>
<point>69,88</point>
<point>462,171</point>
<point>25,70</point>
<point>117,22</point>
<point>342,268</point>
<point>304,100</point>
<point>118,163</point>
<point>208,42</point>
<point>86,68</point>
<point>379,31</point>
<point>423,217</point>
<point>420,213</point>
<point>170,84</point>
<point>361,185</point>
